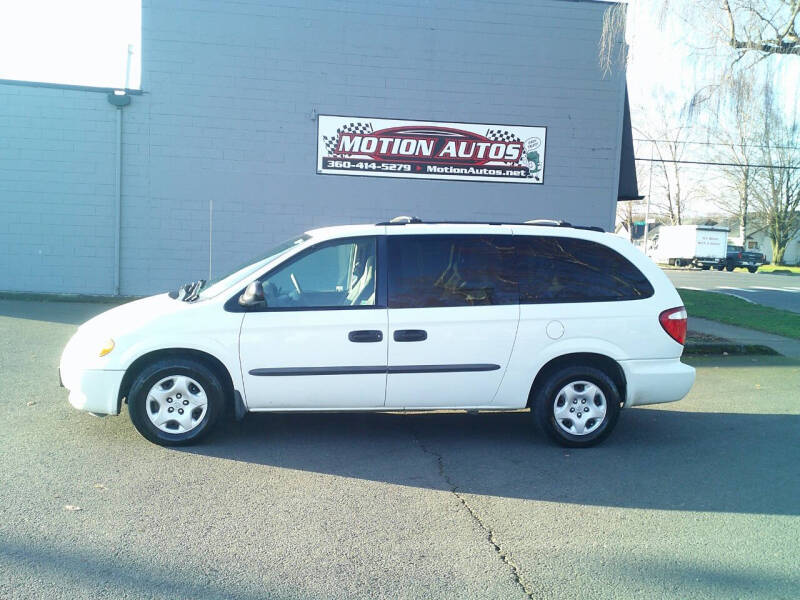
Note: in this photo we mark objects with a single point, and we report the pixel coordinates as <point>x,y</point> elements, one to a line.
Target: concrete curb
<point>730,348</point>
<point>741,336</point>
<point>91,298</point>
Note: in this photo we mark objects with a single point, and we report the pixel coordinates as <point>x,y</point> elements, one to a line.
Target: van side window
<point>560,269</point>
<point>450,270</point>
<point>337,274</point>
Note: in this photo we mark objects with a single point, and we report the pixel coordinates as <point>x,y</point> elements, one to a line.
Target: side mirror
<point>253,296</point>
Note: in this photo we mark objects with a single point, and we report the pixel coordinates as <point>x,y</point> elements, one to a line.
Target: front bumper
<point>93,390</point>
<point>656,381</point>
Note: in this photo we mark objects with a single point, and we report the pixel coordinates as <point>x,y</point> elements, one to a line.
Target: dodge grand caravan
<point>573,323</point>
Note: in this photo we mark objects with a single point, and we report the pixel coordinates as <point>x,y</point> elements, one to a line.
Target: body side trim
<point>370,370</point>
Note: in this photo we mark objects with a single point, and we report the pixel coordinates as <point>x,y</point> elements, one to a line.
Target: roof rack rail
<point>548,223</point>
<point>401,220</point>
<point>554,223</point>
<point>406,220</point>
<point>589,228</point>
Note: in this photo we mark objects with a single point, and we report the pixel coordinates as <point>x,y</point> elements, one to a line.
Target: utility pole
<point>649,194</point>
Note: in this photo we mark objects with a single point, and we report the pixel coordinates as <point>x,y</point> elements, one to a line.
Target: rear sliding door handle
<point>410,335</point>
<point>365,335</point>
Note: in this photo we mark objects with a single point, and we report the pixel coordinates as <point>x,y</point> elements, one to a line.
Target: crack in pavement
<point>516,572</point>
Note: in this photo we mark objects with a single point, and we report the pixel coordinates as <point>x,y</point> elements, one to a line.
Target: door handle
<point>365,335</point>
<point>410,335</point>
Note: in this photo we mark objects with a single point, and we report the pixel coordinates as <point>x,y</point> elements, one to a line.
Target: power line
<point>717,164</point>
<point>715,144</point>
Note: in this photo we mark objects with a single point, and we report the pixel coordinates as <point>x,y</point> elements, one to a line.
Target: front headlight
<point>107,347</point>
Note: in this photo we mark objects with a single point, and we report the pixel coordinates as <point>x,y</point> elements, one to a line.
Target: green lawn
<point>771,268</point>
<point>735,311</point>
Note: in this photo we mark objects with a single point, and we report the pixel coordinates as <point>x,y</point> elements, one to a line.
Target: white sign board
<point>430,149</point>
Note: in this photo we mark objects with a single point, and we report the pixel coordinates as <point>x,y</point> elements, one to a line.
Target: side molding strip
<point>294,371</point>
<point>443,368</point>
<point>317,371</point>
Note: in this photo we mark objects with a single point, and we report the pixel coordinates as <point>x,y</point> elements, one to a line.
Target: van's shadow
<point>661,459</point>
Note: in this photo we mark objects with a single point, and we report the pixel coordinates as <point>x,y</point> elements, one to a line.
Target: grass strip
<point>735,311</point>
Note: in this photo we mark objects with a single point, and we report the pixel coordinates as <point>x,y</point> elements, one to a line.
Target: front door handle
<point>410,335</point>
<point>365,335</point>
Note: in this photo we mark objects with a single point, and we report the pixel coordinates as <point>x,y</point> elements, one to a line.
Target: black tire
<point>545,397</point>
<point>752,269</point>
<point>155,372</point>
<point>705,267</point>
<point>729,269</point>
<point>720,268</point>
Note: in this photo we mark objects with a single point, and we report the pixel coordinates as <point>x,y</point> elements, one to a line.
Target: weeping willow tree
<point>749,29</point>
<point>729,39</point>
<point>777,184</point>
<point>745,55</point>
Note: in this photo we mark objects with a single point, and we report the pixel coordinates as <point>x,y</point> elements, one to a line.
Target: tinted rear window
<point>558,269</point>
<point>450,270</point>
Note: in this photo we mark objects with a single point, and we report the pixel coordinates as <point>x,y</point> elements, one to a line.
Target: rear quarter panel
<point>623,330</point>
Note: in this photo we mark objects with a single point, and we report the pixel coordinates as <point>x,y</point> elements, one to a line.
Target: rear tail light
<point>740,255</point>
<point>674,322</point>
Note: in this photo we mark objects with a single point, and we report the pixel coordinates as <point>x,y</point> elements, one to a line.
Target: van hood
<point>133,315</point>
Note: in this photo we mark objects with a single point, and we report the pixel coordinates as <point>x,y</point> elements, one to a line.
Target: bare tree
<point>737,135</point>
<point>777,187</point>
<point>735,196</point>
<point>672,195</point>
<point>763,26</point>
<point>758,27</point>
<point>625,216</point>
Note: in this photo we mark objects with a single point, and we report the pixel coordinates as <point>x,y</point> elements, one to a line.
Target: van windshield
<point>244,270</point>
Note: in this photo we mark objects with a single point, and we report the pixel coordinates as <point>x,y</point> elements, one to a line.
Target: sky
<point>79,42</point>
<point>667,58</point>
<point>666,66</point>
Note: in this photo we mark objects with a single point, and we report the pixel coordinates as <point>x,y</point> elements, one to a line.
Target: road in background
<point>778,291</point>
<point>696,499</point>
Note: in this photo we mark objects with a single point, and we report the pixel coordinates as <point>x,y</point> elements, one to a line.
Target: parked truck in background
<point>702,246</point>
<point>737,256</point>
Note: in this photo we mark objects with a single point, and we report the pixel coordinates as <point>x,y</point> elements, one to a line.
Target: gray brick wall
<point>231,94</point>
<point>56,190</point>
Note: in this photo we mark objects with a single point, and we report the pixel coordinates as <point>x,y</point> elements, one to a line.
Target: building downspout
<point>119,99</point>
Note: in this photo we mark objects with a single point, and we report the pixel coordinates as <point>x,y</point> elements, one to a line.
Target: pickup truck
<point>738,257</point>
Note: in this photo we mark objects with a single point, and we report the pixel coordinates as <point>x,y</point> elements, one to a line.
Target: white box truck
<point>703,246</point>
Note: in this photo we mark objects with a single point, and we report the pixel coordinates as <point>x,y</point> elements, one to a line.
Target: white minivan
<point>572,322</point>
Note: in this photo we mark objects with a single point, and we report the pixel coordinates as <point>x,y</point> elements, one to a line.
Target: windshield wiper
<point>193,293</point>
<point>189,292</point>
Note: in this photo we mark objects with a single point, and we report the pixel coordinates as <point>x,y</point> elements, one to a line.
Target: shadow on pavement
<point>686,579</point>
<point>656,459</point>
<point>91,574</point>
<point>71,313</point>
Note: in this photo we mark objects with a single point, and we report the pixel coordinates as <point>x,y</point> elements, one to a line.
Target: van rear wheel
<point>577,406</point>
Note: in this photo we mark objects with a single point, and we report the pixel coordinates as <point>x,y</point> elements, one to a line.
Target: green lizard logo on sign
<point>531,157</point>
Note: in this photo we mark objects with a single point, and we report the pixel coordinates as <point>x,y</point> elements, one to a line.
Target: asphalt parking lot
<point>778,291</point>
<point>697,499</point>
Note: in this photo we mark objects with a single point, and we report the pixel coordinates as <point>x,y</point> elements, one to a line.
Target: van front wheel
<point>577,406</point>
<point>175,401</point>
